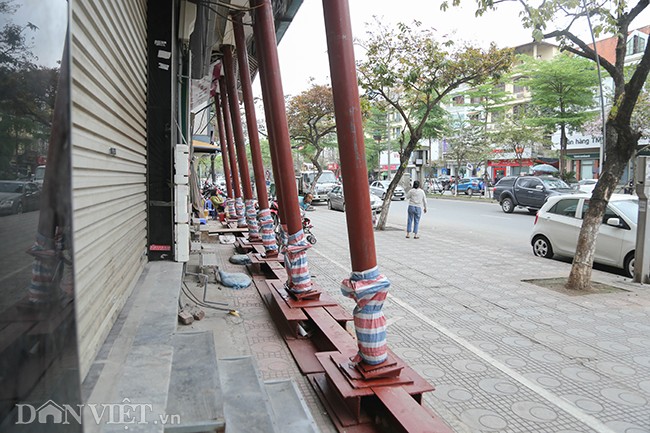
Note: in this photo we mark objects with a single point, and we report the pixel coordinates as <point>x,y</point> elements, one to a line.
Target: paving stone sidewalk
<point>504,355</point>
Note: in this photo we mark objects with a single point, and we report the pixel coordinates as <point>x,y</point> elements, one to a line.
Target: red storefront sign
<point>154,247</point>
<point>510,163</point>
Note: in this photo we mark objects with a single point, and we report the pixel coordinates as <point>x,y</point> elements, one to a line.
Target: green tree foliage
<point>377,130</point>
<point>465,142</point>
<point>412,71</point>
<point>27,94</point>
<point>310,116</point>
<point>558,19</point>
<point>563,90</point>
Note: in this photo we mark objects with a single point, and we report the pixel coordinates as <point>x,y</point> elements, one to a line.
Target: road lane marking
<point>347,269</point>
<point>554,399</point>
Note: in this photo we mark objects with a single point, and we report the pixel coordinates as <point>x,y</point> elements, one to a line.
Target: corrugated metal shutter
<point>109,64</point>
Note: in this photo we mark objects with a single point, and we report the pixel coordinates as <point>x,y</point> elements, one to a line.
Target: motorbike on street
<point>306,224</point>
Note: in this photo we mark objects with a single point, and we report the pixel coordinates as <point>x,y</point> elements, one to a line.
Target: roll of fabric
<point>266,224</point>
<point>369,290</point>
<point>251,221</point>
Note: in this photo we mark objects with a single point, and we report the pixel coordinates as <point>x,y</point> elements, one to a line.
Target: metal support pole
<point>349,130</point>
<point>249,105</point>
<point>224,147</point>
<point>642,250</point>
<point>233,203</point>
<point>229,137</point>
<point>235,118</point>
<point>269,126</point>
<point>265,26</point>
<point>366,285</point>
<point>295,254</point>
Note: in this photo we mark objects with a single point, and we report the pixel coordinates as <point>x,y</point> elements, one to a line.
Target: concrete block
<point>185,318</point>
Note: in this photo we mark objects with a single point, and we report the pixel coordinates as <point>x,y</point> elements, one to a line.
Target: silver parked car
<point>379,188</point>
<point>558,223</point>
<point>336,200</point>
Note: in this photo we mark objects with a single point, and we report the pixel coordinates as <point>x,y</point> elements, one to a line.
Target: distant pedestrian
<point>417,202</point>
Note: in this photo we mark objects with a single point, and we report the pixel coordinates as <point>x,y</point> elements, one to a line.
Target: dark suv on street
<point>528,191</point>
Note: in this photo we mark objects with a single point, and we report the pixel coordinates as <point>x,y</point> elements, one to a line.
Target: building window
<point>635,45</point>
<point>497,116</point>
<point>458,100</point>
<point>396,132</point>
<point>518,89</point>
<point>476,100</point>
<point>518,111</point>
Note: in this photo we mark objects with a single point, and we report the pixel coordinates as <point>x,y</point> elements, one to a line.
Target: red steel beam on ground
<point>264,25</point>
<point>249,105</point>
<point>229,136</point>
<point>235,117</point>
<point>349,130</point>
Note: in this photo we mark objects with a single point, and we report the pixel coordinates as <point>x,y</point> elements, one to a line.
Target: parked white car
<point>379,188</point>
<point>558,223</point>
<point>336,200</point>
<point>587,185</point>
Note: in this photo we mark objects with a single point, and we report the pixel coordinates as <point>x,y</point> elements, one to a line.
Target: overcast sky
<point>51,18</point>
<point>303,50</point>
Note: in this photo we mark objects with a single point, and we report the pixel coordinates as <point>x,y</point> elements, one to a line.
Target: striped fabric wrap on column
<point>251,221</point>
<point>268,235</point>
<point>369,289</point>
<point>241,216</point>
<point>44,269</point>
<point>284,238</point>
<point>295,259</point>
<point>230,207</point>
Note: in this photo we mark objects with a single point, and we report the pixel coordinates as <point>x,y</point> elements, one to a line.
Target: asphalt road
<point>17,234</point>
<point>478,218</point>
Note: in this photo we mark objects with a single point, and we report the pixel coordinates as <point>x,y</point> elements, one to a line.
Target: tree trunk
<point>563,145</point>
<point>404,157</point>
<point>621,145</point>
<point>319,169</point>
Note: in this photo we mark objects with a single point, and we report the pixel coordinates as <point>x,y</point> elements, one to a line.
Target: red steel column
<point>295,254</point>
<point>366,285</point>
<point>269,126</point>
<point>229,137</point>
<point>224,146</point>
<point>349,131</point>
<point>235,117</point>
<point>266,28</point>
<point>249,105</point>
